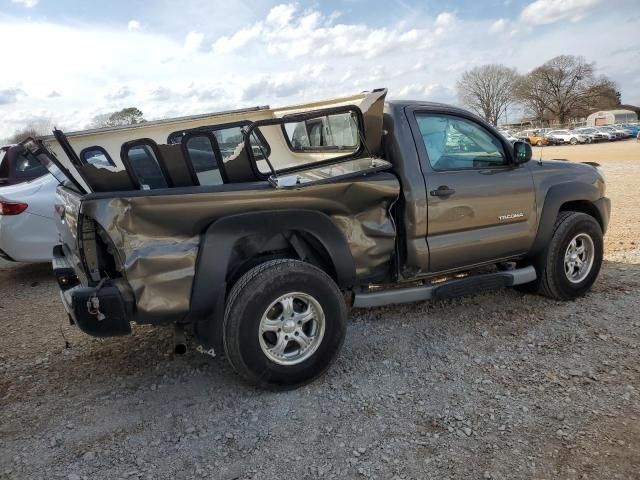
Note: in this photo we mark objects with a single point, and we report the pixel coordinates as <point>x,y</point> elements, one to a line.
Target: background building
<point>610,117</point>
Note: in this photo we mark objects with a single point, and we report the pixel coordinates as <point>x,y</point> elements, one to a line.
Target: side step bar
<point>448,289</point>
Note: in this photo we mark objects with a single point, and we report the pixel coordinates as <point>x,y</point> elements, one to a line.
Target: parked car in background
<point>634,128</point>
<point>593,134</point>
<point>617,135</point>
<point>610,136</point>
<point>568,136</point>
<point>626,133</point>
<point>27,228</point>
<point>536,137</point>
<point>17,169</point>
<point>508,135</point>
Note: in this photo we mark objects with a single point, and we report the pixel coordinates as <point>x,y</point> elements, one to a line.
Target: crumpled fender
<point>216,251</point>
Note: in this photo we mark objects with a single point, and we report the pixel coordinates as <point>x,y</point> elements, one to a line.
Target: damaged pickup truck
<point>259,242</point>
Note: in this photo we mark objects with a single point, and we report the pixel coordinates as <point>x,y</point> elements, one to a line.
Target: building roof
<point>620,110</point>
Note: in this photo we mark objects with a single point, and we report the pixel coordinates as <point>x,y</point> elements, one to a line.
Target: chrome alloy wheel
<point>578,258</point>
<point>292,328</point>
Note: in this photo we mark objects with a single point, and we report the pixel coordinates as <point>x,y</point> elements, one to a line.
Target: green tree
<point>126,116</point>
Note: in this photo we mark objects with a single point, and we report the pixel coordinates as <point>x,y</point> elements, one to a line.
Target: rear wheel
<point>540,143</point>
<point>570,264</point>
<point>285,323</point>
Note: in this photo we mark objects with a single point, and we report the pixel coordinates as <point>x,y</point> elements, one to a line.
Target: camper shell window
<point>315,127</point>
<point>331,132</point>
<point>96,155</point>
<point>144,164</point>
<point>228,136</point>
<point>201,150</point>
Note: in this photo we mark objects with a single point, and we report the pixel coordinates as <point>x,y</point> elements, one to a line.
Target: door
<point>480,205</point>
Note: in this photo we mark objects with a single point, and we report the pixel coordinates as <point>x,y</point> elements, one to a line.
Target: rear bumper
<point>99,311</point>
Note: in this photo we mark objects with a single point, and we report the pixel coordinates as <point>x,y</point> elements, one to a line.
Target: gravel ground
<point>500,385</point>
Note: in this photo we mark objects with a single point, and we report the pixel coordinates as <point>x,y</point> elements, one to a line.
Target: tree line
<point>560,89</point>
<point>126,116</point>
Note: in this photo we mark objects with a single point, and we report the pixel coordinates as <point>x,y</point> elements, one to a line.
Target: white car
<point>568,137</point>
<point>613,131</point>
<point>611,136</point>
<point>27,227</point>
<point>625,132</point>
<point>508,135</point>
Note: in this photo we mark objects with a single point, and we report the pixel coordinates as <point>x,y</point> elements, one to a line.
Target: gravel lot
<point>501,385</point>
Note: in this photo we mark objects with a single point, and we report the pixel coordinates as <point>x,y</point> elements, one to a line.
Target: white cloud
<point>119,93</point>
<point>26,3</point>
<point>498,26</point>
<point>225,45</point>
<point>290,32</point>
<point>445,19</point>
<point>543,12</point>
<point>10,95</point>
<point>280,15</point>
<point>193,41</point>
<point>133,25</point>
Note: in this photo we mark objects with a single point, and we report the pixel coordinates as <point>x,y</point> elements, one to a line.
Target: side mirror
<point>521,152</point>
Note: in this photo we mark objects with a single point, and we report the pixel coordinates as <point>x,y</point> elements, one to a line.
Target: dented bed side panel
<point>157,236</point>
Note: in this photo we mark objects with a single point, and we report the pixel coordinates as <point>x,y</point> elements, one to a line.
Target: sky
<point>64,62</point>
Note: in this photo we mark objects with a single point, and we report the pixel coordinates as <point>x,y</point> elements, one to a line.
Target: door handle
<point>442,191</point>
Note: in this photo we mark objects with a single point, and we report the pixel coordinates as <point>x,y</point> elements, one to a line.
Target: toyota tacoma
<point>258,242</point>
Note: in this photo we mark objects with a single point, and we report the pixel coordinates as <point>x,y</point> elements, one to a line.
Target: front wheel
<point>573,141</point>
<point>285,322</point>
<point>570,264</point>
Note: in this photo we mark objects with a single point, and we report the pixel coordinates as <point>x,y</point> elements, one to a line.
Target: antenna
<point>544,139</point>
<point>540,158</point>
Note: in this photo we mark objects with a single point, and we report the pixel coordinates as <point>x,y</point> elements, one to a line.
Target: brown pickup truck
<point>258,243</point>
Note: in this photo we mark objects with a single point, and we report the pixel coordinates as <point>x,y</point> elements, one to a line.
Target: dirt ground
<point>501,385</point>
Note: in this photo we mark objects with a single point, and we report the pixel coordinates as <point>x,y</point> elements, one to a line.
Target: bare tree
<point>563,87</point>
<point>488,90</point>
<point>33,129</point>
<point>126,116</point>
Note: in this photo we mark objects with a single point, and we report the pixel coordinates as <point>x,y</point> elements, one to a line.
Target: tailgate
<point>67,204</point>
<point>67,207</point>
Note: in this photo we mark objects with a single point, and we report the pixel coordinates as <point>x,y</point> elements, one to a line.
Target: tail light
<point>12,208</point>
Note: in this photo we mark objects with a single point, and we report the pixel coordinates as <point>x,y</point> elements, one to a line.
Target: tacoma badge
<point>510,216</point>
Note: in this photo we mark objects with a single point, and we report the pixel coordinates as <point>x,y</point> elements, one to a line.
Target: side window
<point>337,131</point>
<point>228,137</point>
<point>96,156</point>
<point>28,167</point>
<point>144,164</point>
<point>454,143</point>
<point>200,152</point>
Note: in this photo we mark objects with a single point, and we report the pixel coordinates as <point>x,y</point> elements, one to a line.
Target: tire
<point>553,279</point>
<point>540,143</point>
<point>259,301</point>
<point>573,141</point>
